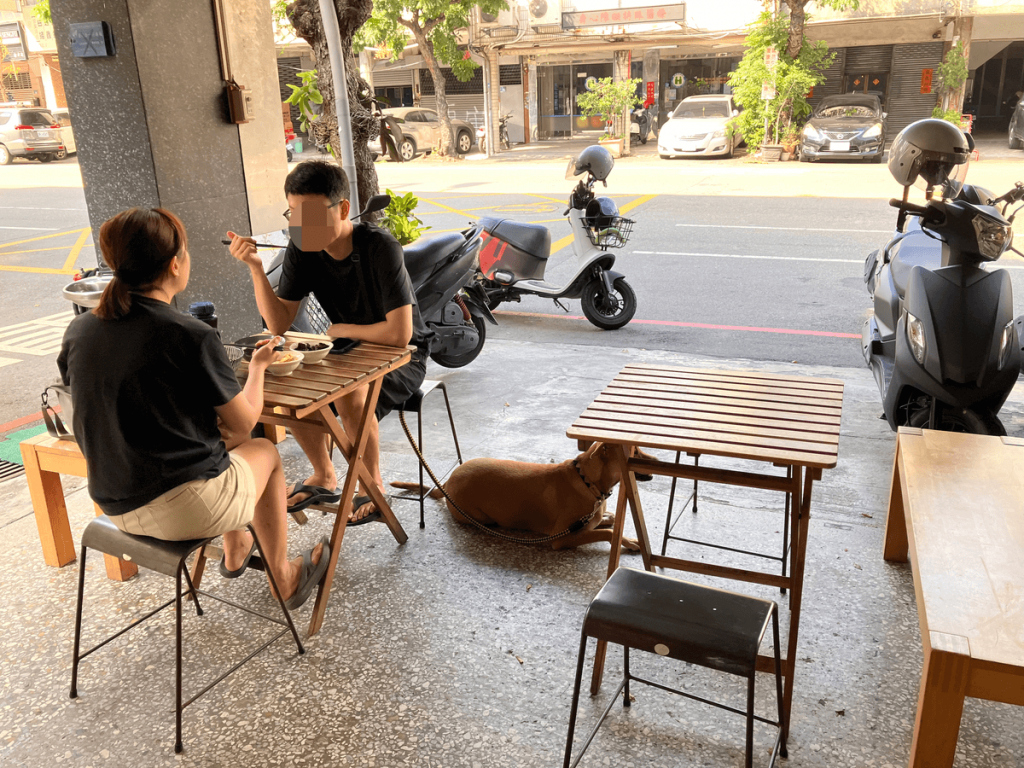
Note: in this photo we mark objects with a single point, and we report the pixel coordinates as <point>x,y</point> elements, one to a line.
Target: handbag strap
<point>54,426</point>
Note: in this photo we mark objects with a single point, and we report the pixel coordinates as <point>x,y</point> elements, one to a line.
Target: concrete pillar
<point>494,86</point>
<point>532,96</point>
<point>652,74</point>
<point>620,73</point>
<point>963,27</point>
<point>152,128</point>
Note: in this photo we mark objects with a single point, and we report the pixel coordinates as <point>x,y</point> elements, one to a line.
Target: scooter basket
<point>612,233</point>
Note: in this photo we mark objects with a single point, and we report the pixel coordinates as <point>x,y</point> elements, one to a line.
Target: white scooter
<point>514,255</point>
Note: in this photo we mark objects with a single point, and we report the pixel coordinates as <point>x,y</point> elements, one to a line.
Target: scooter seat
<point>534,239</point>
<point>422,255</point>
<point>914,250</point>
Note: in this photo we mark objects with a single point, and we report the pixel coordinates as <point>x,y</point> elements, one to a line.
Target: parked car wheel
<point>5,155</point>
<point>407,150</point>
<point>1015,143</point>
<point>61,154</point>
<point>464,143</point>
<point>45,158</point>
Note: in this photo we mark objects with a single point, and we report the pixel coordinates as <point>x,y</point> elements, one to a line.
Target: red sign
<point>926,80</point>
<point>771,57</point>
<point>650,90</point>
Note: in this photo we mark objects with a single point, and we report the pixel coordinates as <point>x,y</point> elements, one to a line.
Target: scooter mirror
<point>374,204</point>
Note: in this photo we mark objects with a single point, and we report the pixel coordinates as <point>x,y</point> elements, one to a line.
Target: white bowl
<point>287,367</point>
<point>313,355</point>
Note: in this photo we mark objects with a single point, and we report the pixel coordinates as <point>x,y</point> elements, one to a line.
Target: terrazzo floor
<point>457,650</point>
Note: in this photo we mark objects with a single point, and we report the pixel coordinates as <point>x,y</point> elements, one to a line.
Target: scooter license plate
<point>839,146</point>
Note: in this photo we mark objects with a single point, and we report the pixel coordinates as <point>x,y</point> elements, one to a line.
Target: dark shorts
<point>399,385</point>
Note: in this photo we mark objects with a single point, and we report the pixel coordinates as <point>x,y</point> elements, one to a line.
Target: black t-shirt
<point>358,290</point>
<point>144,389</point>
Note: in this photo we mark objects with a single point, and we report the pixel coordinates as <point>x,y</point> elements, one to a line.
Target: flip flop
<point>373,517</point>
<point>318,495</point>
<point>310,575</point>
<point>245,564</point>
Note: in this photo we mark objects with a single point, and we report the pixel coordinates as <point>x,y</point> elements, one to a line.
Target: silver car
<point>29,132</point>
<point>421,132</point>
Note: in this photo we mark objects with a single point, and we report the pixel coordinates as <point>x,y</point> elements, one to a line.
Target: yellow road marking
<point>560,244</point>
<point>77,248</point>
<point>45,237</point>
<point>37,270</point>
<point>446,207</point>
<point>636,203</point>
<point>40,250</point>
<point>545,197</point>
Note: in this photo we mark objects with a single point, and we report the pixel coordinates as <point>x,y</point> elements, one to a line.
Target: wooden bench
<point>46,459</point>
<point>956,507</point>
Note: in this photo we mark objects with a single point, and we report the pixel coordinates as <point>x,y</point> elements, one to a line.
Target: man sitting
<point>357,274</point>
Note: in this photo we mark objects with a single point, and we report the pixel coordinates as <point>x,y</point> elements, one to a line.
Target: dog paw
<point>630,546</point>
<point>606,522</point>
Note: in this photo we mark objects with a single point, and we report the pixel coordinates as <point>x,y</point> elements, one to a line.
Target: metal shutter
<point>288,74</point>
<point>468,107</point>
<point>833,79</point>
<point>868,58</point>
<point>906,102</point>
<point>392,76</point>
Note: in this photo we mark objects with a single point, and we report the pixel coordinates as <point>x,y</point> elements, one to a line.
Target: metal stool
<point>670,524</point>
<point>699,625</point>
<point>168,558</point>
<point>415,405</point>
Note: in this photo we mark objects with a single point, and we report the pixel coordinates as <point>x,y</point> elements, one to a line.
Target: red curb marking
<point>10,426</point>
<point>706,326</point>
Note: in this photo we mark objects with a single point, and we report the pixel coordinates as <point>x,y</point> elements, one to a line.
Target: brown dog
<point>543,498</point>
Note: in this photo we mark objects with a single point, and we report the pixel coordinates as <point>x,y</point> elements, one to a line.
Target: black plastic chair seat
<point>153,554</point>
<point>422,255</point>
<point>696,624</point>
<point>415,402</point>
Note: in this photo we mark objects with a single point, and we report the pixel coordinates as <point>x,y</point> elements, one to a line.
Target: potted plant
<point>790,142</point>
<point>608,101</point>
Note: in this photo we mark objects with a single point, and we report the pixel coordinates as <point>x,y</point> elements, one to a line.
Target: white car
<point>698,127</point>
<point>67,135</point>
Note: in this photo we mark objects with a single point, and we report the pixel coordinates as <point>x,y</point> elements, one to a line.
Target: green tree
<point>433,25</point>
<point>792,79</point>
<point>950,77</point>
<point>608,100</point>
<point>41,11</point>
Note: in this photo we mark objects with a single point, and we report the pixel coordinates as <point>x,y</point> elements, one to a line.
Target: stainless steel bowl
<point>87,292</point>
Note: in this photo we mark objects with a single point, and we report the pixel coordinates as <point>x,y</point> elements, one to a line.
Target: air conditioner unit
<point>544,13</point>
<point>504,18</point>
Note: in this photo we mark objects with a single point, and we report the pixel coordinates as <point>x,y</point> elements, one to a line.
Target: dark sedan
<point>850,126</point>
<point>1017,126</point>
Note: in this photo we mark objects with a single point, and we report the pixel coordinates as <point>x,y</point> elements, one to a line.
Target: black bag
<point>54,425</point>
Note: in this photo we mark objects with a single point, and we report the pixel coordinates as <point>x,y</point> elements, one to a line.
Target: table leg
<point>896,542</point>
<point>940,704</point>
<point>117,569</point>
<point>50,510</point>
<point>613,563</point>
<point>801,516</point>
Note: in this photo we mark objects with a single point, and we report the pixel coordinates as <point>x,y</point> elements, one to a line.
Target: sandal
<point>373,517</point>
<point>245,564</point>
<point>310,576</point>
<point>317,495</point>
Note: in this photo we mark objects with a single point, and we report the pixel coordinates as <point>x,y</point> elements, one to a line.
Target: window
<point>702,109</point>
<point>428,116</point>
<point>37,118</point>
<point>5,116</point>
<point>20,80</point>
<point>415,117</point>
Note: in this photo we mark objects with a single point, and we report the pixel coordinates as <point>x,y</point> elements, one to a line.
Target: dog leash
<point>574,528</point>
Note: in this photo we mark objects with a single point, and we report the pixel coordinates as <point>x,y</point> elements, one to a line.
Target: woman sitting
<point>149,385</point>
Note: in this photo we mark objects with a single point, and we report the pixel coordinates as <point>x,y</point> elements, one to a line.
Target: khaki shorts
<point>198,509</point>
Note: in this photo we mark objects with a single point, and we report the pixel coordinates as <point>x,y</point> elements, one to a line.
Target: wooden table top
<point>965,523</point>
<point>789,420</point>
<point>311,386</point>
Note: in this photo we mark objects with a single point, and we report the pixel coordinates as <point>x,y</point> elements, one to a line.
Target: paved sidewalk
<point>458,650</point>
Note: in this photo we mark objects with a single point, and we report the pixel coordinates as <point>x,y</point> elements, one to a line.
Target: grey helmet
<point>931,153</point>
<point>596,159</point>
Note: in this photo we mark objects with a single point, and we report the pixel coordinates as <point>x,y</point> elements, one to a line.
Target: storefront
<point>693,75</point>
<point>558,88</point>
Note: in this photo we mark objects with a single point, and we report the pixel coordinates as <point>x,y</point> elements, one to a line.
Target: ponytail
<point>115,301</point>
<point>138,244</point>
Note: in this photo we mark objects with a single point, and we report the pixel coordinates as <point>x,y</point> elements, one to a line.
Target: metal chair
<point>699,625</point>
<point>168,558</point>
<point>415,405</point>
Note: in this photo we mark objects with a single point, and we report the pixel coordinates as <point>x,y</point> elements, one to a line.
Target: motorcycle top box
<point>515,247</point>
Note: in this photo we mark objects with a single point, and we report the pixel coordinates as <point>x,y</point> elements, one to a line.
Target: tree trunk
<point>447,145</point>
<point>352,14</point>
<point>797,19</point>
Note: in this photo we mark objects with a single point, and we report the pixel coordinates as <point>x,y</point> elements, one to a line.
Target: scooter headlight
<point>1005,345</point>
<point>993,236</point>
<point>915,335</point>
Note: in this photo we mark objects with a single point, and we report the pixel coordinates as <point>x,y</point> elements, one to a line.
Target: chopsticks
<point>259,245</point>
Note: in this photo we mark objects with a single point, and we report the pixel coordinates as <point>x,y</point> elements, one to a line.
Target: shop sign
<point>767,90</point>
<point>648,14</point>
<point>926,80</point>
<point>771,57</point>
<point>13,41</point>
<point>591,83</point>
<point>650,90</point>
<point>678,80</point>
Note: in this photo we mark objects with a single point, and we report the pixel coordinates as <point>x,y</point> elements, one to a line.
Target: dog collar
<point>601,496</point>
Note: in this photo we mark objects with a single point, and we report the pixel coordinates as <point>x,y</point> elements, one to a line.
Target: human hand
<point>244,249</point>
<point>264,353</point>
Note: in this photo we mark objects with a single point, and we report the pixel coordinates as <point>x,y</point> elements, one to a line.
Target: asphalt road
<point>775,274</point>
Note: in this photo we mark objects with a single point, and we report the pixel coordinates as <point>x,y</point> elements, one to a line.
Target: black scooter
<point>442,269</point>
<point>942,341</point>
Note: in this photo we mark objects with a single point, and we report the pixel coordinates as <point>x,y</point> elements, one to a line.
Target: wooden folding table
<point>957,509</point>
<point>790,422</point>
